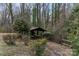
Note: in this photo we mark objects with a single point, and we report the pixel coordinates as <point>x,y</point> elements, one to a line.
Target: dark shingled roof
<point>37,28</point>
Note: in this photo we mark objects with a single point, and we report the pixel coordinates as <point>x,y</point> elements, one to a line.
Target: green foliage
<point>9,39</point>
<point>76,9</point>
<point>75,45</point>
<point>72,30</point>
<point>40,47</point>
<point>21,26</point>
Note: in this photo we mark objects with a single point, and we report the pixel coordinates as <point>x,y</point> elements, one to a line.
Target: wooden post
<point>37,32</point>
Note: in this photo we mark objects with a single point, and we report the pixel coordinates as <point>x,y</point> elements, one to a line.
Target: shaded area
<point>36,32</point>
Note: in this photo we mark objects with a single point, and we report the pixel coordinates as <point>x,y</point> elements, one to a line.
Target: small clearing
<point>52,49</point>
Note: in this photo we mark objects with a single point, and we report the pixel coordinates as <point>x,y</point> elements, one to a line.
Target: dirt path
<point>53,49</point>
<point>58,50</point>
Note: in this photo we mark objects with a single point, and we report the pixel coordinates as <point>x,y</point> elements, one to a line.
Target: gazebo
<point>36,32</point>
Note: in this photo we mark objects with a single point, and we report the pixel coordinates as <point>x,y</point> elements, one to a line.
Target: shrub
<point>39,46</point>
<point>25,39</point>
<point>75,46</point>
<point>48,35</point>
<point>53,36</point>
<point>2,29</point>
<point>9,39</point>
<point>21,26</point>
<point>72,30</point>
<point>19,36</point>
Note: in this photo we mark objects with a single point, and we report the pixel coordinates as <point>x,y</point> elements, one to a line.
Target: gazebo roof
<point>37,28</point>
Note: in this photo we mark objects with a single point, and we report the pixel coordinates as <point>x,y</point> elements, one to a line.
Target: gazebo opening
<point>36,32</point>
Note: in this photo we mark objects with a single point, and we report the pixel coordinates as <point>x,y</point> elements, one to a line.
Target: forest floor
<point>52,49</point>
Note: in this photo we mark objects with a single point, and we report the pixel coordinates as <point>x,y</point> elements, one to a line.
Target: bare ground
<point>53,49</point>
